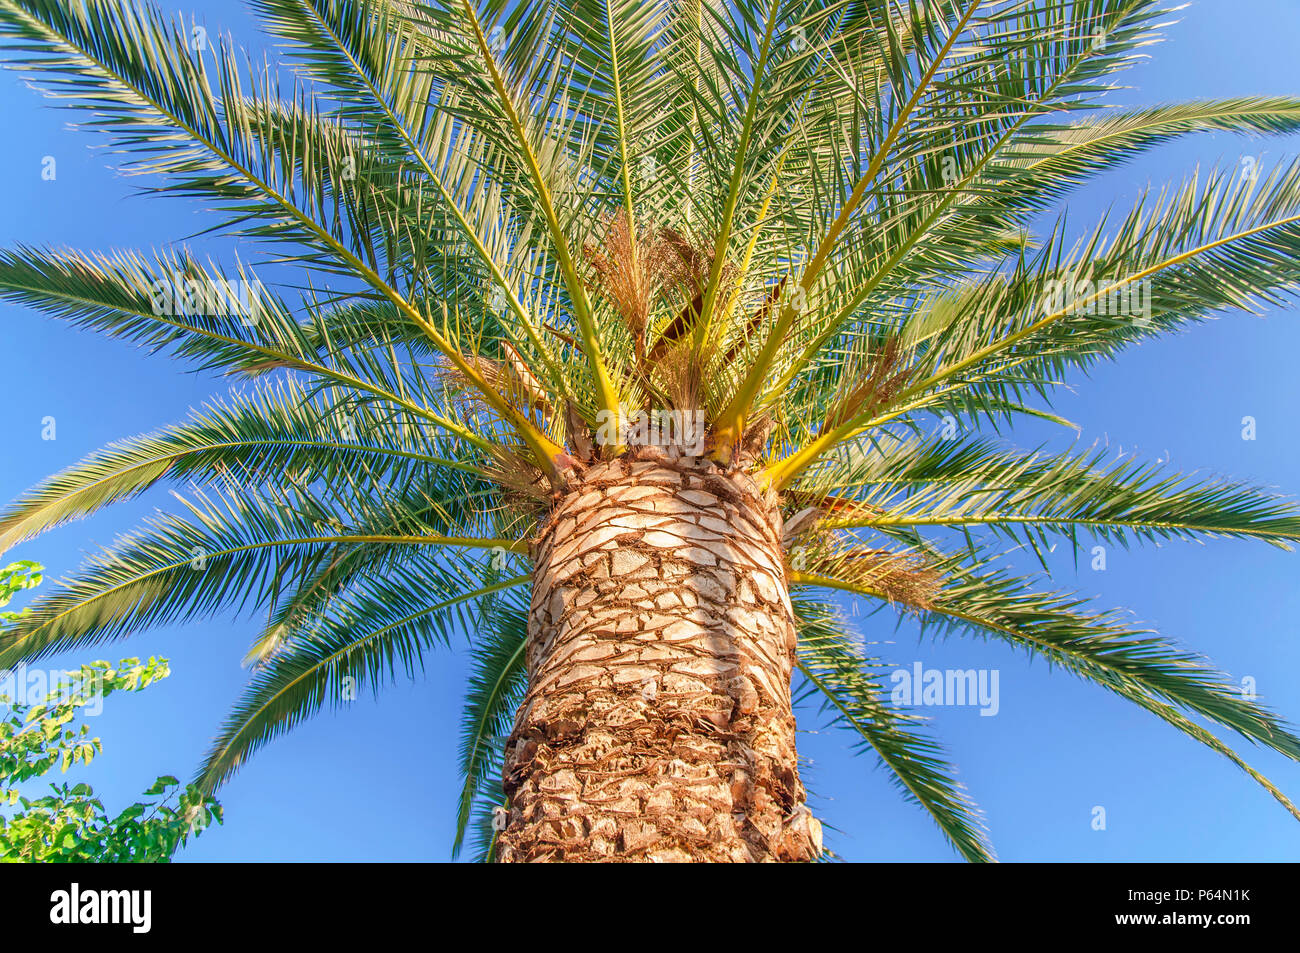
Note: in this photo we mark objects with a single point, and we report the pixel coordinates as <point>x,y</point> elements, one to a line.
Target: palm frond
<point>496,687</point>
<point>845,681</point>
<point>1101,648</point>
<point>1229,242</point>
<point>176,569</point>
<point>912,482</point>
<point>251,439</point>
<point>368,635</point>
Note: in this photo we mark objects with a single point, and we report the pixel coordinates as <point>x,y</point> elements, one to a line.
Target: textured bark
<point>658,724</point>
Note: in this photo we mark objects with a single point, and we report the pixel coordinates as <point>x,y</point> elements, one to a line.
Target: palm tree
<point>630,336</point>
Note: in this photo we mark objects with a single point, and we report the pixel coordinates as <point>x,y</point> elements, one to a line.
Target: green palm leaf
<point>928,484</point>
<point>845,682</point>
<point>252,438</point>
<point>1099,647</point>
<point>177,569</point>
<point>385,624</point>
<point>496,687</point>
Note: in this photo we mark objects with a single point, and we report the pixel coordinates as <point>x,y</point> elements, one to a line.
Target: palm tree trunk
<point>658,723</point>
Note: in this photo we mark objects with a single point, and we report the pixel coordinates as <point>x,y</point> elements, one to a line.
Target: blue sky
<point>377,781</point>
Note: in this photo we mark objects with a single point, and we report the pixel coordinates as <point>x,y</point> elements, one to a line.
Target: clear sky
<point>377,781</point>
